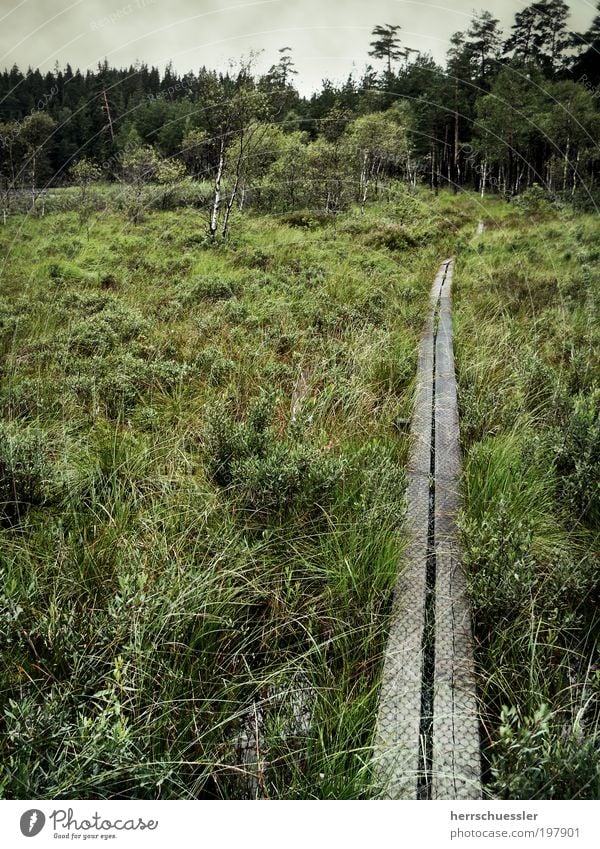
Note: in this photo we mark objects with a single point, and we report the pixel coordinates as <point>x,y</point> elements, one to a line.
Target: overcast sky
<point>329,38</point>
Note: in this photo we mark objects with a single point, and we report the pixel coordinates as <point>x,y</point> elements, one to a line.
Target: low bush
<point>534,201</point>
<point>266,473</point>
<point>306,219</point>
<point>110,326</point>
<point>209,289</point>
<point>578,459</point>
<point>24,469</point>
<point>529,763</point>
<point>394,237</point>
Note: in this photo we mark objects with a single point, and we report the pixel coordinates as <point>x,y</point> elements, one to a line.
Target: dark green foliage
<point>500,556</point>
<point>306,219</point>
<point>578,460</point>
<point>209,289</point>
<point>534,201</point>
<point>392,236</point>
<point>24,469</point>
<point>110,325</point>
<point>268,474</point>
<point>529,763</point>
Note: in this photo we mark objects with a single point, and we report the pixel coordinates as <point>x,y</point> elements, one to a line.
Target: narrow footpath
<point>427,739</point>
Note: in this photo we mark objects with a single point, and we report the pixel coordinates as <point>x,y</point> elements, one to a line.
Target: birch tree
<point>571,122</point>
<point>235,116</point>
<point>376,143</point>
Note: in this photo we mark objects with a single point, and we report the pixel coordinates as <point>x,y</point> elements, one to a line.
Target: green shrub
<point>499,555</point>
<point>254,258</point>
<point>112,325</point>
<point>306,219</point>
<point>209,289</point>
<point>534,201</point>
<point>217,368</point>
<point>578,459</point>
<point>85,303</point>
<point>24,469</point>
<point>286,477</point>
<point>266,473</point>
<point>535,759</point>
<point>394,237</point>
<point>27,399</point>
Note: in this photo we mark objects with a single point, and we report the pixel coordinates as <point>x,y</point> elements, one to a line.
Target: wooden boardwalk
<point>427,738</point>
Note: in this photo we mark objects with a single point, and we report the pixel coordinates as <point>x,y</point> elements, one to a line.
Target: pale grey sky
<point>329,38</point>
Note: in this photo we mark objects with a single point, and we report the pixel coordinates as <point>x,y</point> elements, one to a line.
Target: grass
<point>527,338</point>
<point>202,490</point>
<point>202,484</point>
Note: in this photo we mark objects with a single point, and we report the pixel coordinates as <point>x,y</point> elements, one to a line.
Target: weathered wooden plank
<point>401,755</point>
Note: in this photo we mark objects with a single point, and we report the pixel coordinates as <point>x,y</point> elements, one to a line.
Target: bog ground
<point>202,455</point>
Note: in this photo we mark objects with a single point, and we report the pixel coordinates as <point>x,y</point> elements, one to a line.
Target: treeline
<point>507,110</point>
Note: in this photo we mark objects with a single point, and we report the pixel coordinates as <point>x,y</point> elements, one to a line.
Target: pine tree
<point>386,45</point>
<point>483,43</point>
<point>521,43</point>
<point>587,64</point>
<point>540,33</point>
